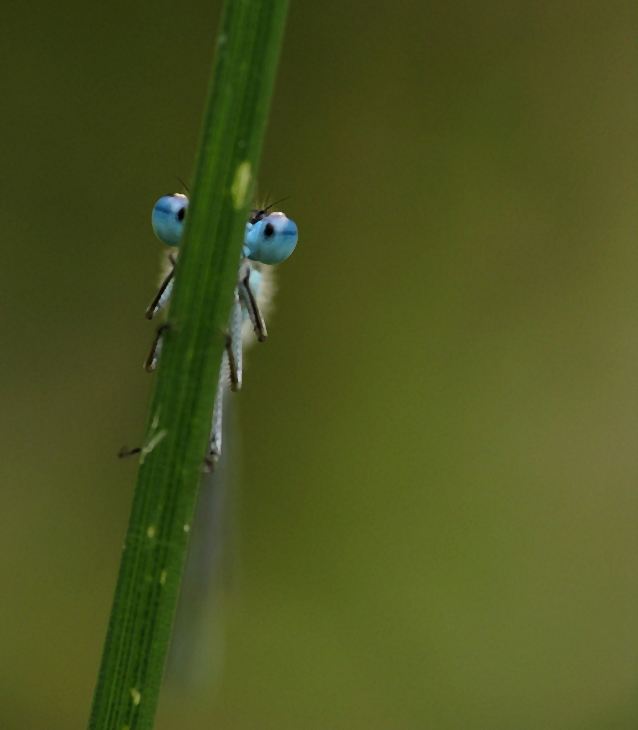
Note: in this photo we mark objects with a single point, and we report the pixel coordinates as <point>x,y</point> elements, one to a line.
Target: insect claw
<point>124,452</point>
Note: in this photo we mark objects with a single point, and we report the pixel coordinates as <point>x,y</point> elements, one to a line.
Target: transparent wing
<point>196,654</point>
<point>211,574</point>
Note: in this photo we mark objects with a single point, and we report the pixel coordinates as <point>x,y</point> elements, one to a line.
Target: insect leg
<point>153,356</point>
<point>234,345</point>
<point>163,293</point>
<point>215,443</point>
<point>250,302</point>
<point>124,453</point>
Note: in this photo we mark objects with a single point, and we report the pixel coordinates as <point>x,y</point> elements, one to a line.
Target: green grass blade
<point>179,421</point>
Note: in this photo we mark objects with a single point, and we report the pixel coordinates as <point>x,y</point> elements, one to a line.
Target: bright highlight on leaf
<point>241,184</point>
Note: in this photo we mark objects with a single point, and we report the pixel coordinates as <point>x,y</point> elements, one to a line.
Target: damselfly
<point>270,237</point>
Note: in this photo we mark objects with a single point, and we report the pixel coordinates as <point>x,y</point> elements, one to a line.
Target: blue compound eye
<point>270,240</point>
<point>168,218</point>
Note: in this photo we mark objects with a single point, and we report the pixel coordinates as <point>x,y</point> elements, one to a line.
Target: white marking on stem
<point>151,532</point>
<point>136,696</point>
<point>152,444</point>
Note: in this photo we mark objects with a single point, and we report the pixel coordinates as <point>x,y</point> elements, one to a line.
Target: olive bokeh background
<point>438,500</point>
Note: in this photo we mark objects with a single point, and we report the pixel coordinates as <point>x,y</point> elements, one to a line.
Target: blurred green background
<point>438,499</point>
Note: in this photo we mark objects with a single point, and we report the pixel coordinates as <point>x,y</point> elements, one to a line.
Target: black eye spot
<point>180,214</point>
<point>269,229</point>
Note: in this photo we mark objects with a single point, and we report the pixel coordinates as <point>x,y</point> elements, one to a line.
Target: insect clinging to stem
<point>270,238</point>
